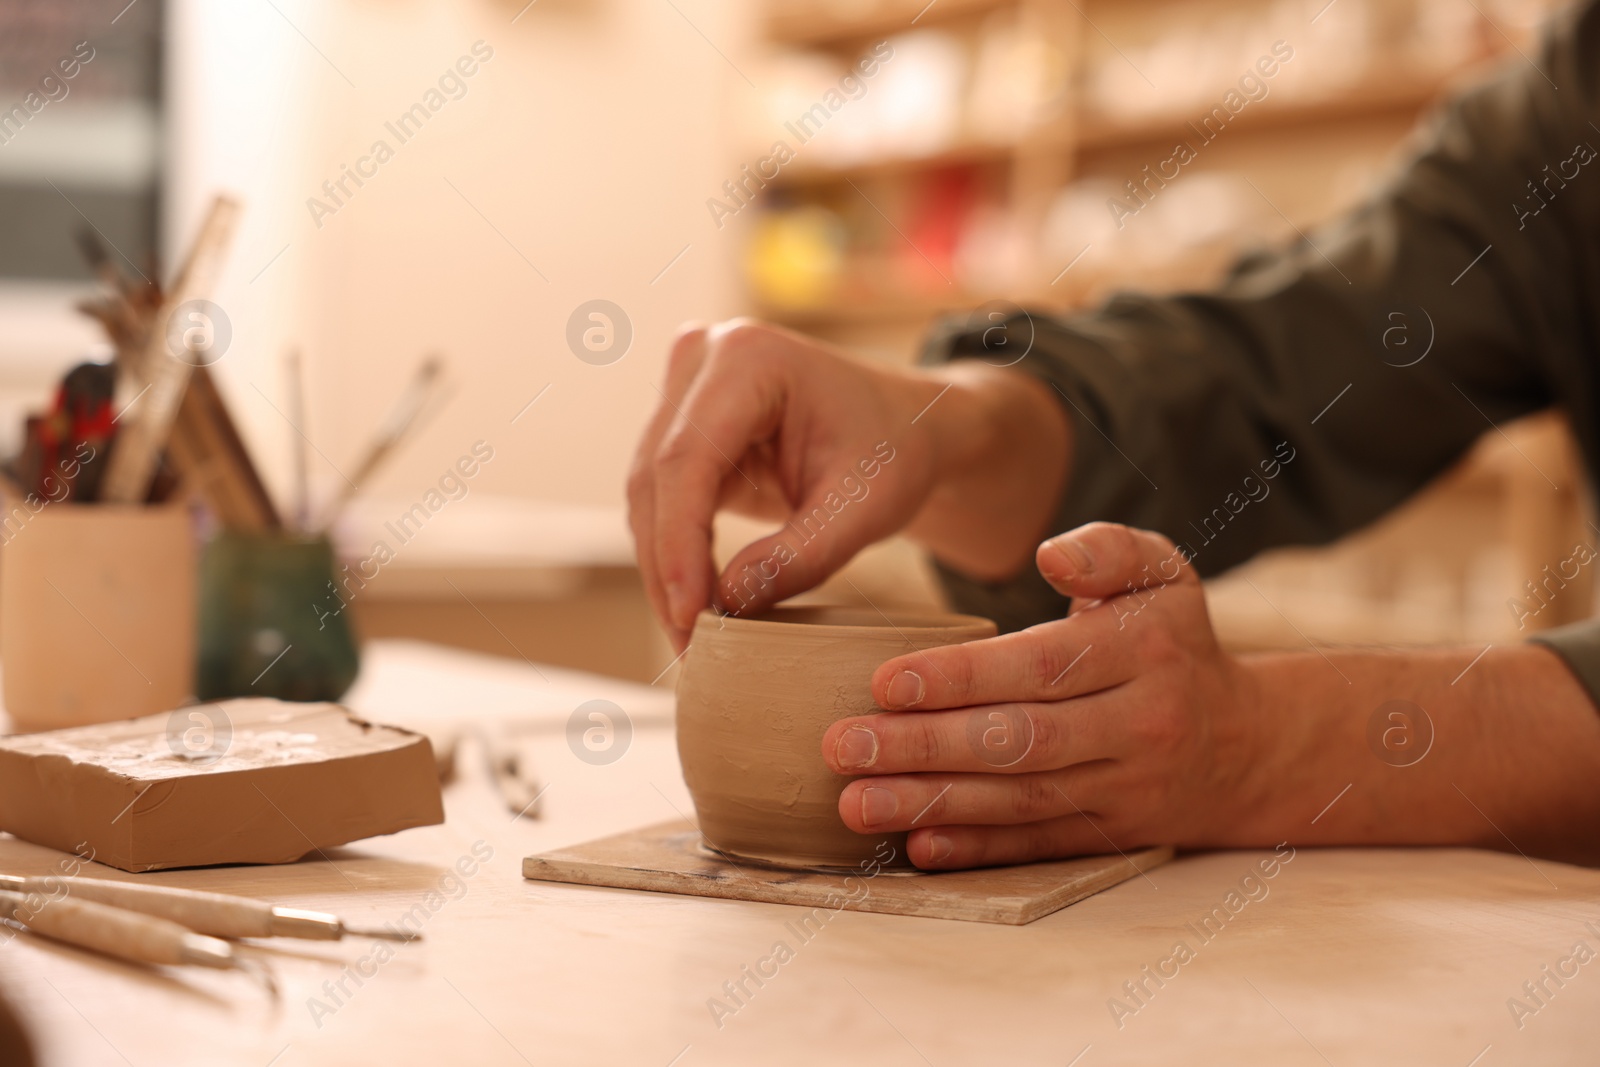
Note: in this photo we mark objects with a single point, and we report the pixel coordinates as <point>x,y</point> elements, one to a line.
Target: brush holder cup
<point>97,612</point>
<point>272,623</point>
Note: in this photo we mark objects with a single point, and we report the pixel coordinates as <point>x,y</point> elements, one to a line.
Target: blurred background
<point>937,157</point>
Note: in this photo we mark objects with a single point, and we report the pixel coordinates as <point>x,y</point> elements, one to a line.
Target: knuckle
<point>685,346</point>
<point>1035,799</point>
<point>937,809</point>
<point>1045,736</point>
<point>1047,661</point>
<point>962,675</point>
<point>1104,529</point>
<point>1163,543</point>
<point>741,337</point>
<point>1125,543</point>
<point>1157,644</point>
<point>675,450</point>
<point>1157,726</point>
<point>921,743</point>
<point>1038,839</point>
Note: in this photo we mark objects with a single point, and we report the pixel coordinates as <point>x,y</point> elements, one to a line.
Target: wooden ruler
<point>207,452</point>
<point>140,440</point>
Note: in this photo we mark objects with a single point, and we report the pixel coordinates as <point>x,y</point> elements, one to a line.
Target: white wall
<point>239,93</point>
<point>590,141</point>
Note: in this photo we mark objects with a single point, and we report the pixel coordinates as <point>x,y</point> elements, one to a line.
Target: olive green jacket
<point>1320,386</point>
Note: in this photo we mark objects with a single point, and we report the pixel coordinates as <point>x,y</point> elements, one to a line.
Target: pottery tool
<point>297,419</point>
<point>513,776</point>
<point>204,448</point>
<point>213,914</point>
<point>144,432</point>
<point>207,451</point>
<point>671,858</point>
<point>240,781</point>
<point>389,435</point>
<point>126,935</point>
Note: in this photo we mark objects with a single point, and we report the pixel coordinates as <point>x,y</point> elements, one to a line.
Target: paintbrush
<point>389,435</point>
<point>120,311</point>
<point>126,935</point>
<point>297,418</point>
<point>213,914</point>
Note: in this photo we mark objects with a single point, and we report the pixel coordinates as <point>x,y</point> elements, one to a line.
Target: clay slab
<point>669,858</point>
<point>293,778</point>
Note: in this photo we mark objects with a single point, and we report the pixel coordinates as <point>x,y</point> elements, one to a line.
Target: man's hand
<point>1123,724</point>
<point>765,422</point>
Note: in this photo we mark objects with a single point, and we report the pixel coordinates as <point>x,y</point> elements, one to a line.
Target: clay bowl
<point>754,699</point>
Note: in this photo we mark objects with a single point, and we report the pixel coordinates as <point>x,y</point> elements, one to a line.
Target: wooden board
<point>670,858</point>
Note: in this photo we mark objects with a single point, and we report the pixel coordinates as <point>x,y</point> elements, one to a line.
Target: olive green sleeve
<point>1578,644</point>
<point>1321,385</point>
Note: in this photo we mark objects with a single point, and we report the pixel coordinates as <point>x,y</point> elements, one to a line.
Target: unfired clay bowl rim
<point>904,620</point>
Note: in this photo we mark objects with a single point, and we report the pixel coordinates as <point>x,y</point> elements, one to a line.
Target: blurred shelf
<point>969,153</point>
<point>1070,289</point>
<point>814,24</point>
<point>1391,97</point>
<point>1384,99</point>
<point>868,311</point>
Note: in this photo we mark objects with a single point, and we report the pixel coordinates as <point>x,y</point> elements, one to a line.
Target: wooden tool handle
<point>126,935</point>
<point>216,914</point>
<point>141,438</point>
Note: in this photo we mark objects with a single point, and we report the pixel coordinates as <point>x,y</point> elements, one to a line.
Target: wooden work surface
<point>1352,956</point>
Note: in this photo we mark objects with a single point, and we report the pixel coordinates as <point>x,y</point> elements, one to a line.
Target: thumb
<point>1105,559</point>
<point>814,544</point>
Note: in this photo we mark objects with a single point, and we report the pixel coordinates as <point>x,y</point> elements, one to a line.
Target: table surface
<point>1345,956</point>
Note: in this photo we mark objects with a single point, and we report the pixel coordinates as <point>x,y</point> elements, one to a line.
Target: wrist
<point>1001,448</point>
<point>1267,748</point>
<point>991,417</point>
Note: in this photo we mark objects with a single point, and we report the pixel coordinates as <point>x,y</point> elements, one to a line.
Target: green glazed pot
<point>266,628</point>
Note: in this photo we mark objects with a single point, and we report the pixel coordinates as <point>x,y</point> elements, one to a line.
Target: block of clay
<point>239,781</point>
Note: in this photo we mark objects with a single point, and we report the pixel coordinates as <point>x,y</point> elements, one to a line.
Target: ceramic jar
<point>754,699</point>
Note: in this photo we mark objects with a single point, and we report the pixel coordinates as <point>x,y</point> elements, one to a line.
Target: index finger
<point>683,363</point>
<point>731,406</point>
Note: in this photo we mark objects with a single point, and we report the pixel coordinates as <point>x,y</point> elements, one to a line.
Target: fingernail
<point>878,806</point>
<point>679,607</point>
<point>905,690</point>
<point>1073,560</point>
<point>939,848</point>
<point>856,748</point>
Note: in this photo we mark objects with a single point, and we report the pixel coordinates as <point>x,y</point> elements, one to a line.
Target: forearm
<point>1283,406</point>
<point>1514,759</point>
<point>1003,448</point>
